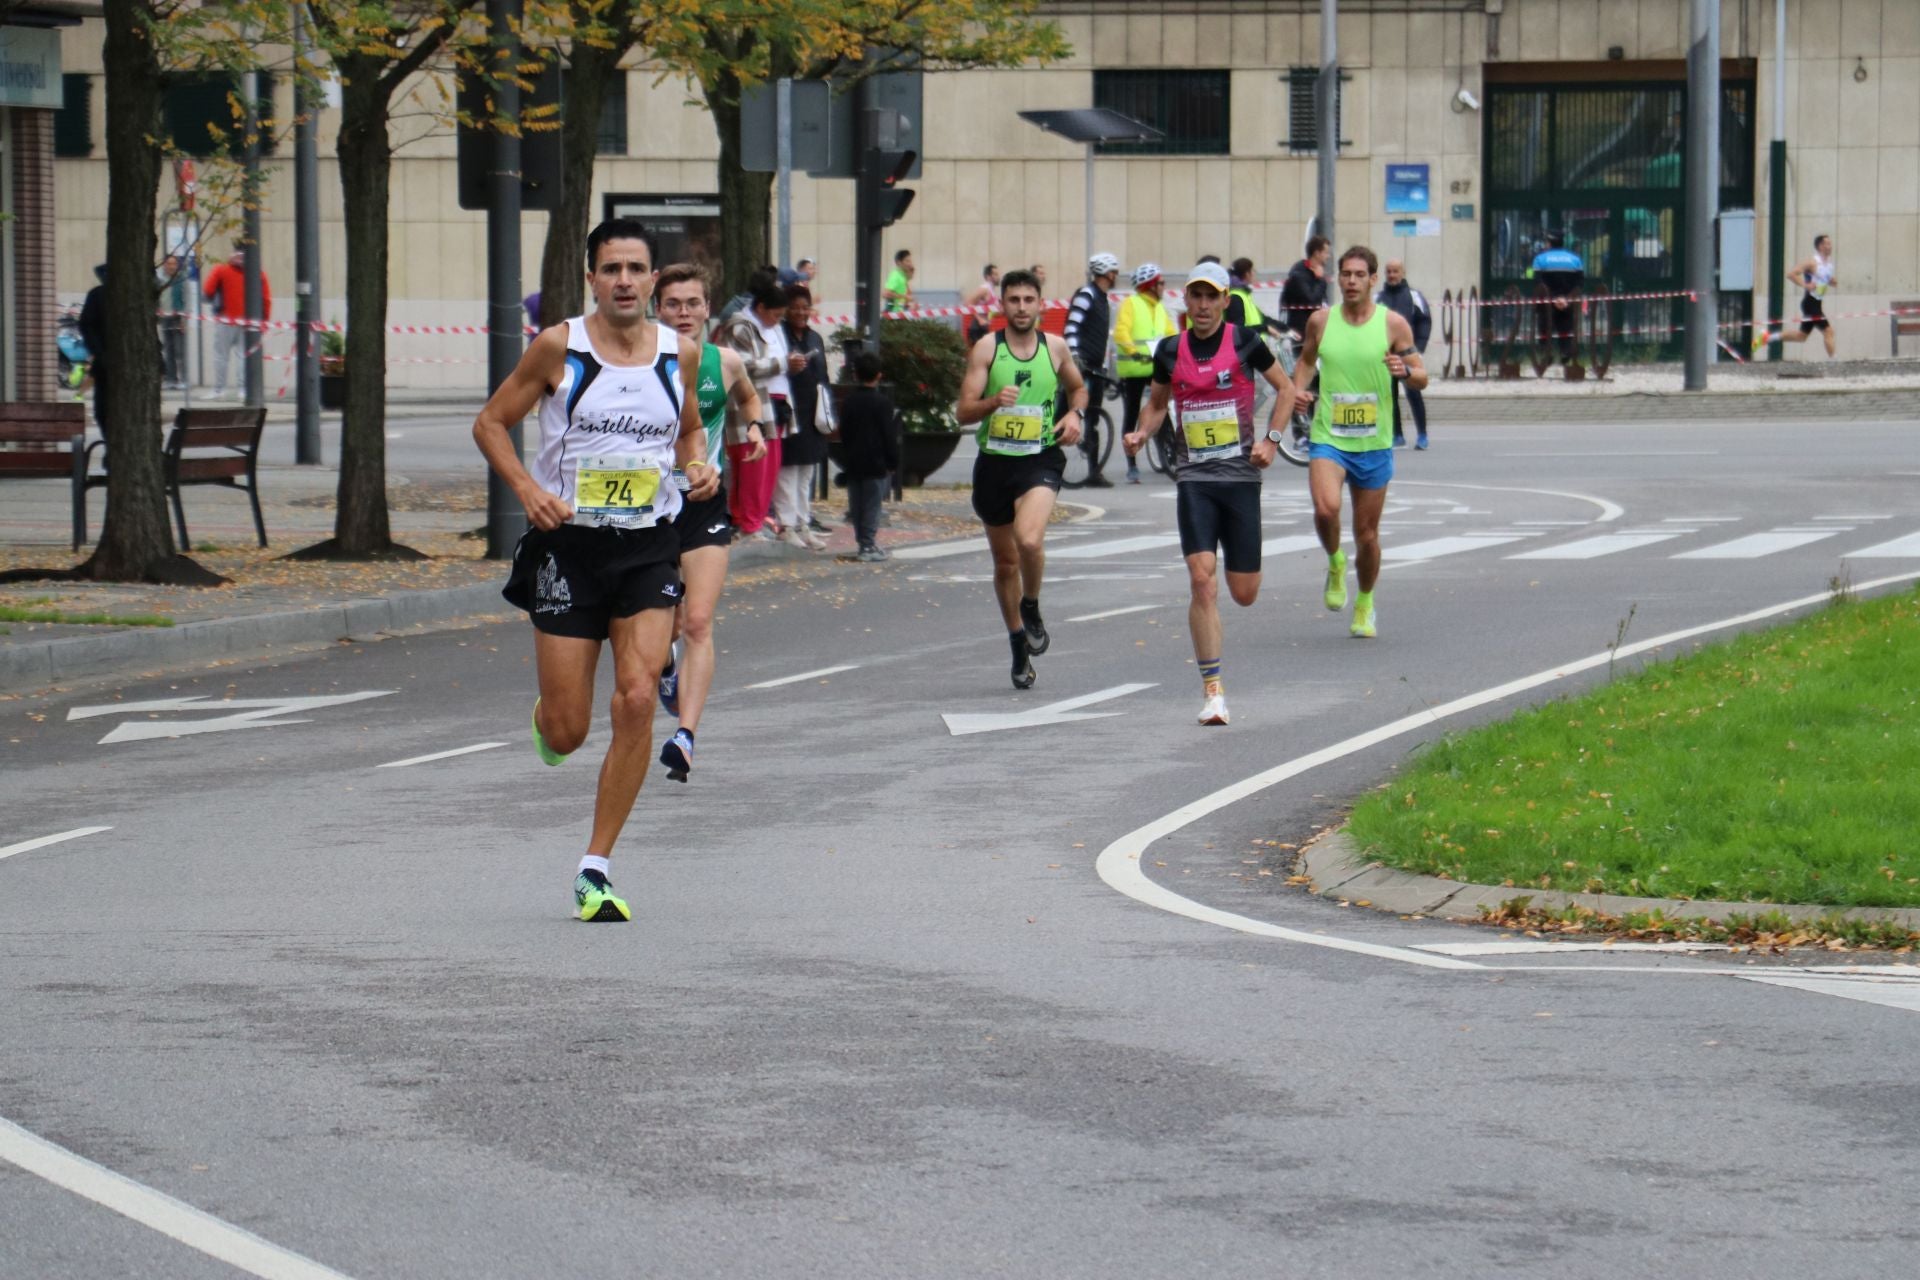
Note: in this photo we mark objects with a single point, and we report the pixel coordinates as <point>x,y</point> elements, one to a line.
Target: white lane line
<point>1897,549</point>
<point>1294,542</point>
<point>1434,548</point>
<point>192,1227</point>
<point>1615,453</point>
<point>27,845</point>
<point>1569,524</point>
<point>1867,517</point>
<point>1755,545</point>
<point>1608,510</point>
<point>1703,520</point>
<point>440,755</point>
<point>804,675</point>
<point>1604,545</point>
<point>1896,996</point>
<point>1114,613</point>
<point>1117,547</point>
<point>1119,863</point>
<point>934,551</point>
<point>1530,947</point>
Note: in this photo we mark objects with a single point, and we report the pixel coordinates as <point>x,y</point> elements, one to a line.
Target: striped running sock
<point>1210,676</point>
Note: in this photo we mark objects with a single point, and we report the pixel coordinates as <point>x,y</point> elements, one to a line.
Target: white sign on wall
<point>29,68</point>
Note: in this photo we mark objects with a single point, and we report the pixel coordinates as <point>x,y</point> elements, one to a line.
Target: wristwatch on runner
<point>1276,437</point>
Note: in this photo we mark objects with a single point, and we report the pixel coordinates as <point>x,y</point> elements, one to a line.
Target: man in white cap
<point>1210,374</point>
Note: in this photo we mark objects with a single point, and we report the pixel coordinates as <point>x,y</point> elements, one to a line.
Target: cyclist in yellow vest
<point>1137,331</point>
<point>1360,350</point>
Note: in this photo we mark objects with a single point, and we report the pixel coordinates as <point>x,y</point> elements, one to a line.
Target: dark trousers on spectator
<point>864,496</point>
<point>1419,406</point>
<point>1560,322</point>
<point>173,350</point>
<point>1131,392</point>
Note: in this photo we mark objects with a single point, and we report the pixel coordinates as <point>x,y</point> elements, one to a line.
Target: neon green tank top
<point>1355,410</point>
<point>1026,426</point>
<point>712,391</point>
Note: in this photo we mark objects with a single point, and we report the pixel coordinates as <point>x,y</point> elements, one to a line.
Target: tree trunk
<point>563,259</point>
<point>745,229</point>
<point>360,527</point>
<point>136,542</point>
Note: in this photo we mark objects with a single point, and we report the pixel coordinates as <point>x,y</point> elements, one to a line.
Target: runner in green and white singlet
<point>704,528</point>
<point>1011,386</point>
<point>1360,349</point>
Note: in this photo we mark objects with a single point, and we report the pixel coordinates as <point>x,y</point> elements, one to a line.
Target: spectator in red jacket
<point>226,285</point>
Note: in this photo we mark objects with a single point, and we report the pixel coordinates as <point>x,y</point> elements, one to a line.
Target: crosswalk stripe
<point>1894,550</point>
<point>1119,546</point>
<point>1434,548</point>
<point>936,550</point>
<point>1288,545</point>
<point>1755,545</point>
<point>1592,548</point>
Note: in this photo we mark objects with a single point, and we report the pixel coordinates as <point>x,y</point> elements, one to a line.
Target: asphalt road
<point>880,1012</point>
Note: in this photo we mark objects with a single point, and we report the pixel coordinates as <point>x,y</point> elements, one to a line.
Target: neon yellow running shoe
<point>1336,596</point>
<point>1365,620</point>
<point>593,894</point>
<point>547,754</point>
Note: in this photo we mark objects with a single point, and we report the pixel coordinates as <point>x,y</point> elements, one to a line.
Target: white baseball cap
<point>1210,273</point>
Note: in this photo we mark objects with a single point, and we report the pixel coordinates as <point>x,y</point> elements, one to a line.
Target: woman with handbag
<point>804,447</point>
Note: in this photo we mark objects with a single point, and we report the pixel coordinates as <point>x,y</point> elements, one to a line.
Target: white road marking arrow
<point>255,713</point>
<point>1053,713</point>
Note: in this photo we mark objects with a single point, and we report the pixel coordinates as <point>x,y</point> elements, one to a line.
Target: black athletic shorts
<point>1813,313</point>
<point>704,524</point>
<point>575,580</point>
<point>1221,515</point>
<point>998,481</point>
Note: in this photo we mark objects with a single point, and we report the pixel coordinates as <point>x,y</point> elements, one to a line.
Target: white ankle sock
<point>593,862</point>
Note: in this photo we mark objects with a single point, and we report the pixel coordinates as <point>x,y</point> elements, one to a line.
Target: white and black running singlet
<point>607,434</point>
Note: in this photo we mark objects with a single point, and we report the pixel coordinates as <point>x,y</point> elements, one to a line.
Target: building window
<point>1303,121</point>
<point>198,112</point>
<point>1189,107</point>
<point>612,138</point>
<point>73,122</point>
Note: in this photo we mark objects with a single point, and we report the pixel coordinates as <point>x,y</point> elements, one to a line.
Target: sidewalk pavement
<point>273,602</point>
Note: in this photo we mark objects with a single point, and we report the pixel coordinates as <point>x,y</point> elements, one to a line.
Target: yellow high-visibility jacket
<point>1142,323</point>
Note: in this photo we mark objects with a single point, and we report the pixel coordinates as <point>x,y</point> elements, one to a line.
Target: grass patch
<point>21,613</point>
<point>1776,767</point>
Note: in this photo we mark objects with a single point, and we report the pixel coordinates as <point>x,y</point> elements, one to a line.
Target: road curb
<point>1338,870</point>
<point>37,664</point>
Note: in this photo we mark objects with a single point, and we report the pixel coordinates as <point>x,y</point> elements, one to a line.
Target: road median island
<point>1758,790</point>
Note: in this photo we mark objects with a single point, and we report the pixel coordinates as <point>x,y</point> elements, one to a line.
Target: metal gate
<point>1602,161</point>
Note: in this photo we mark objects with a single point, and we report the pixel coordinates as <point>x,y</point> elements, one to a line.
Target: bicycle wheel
<point>1102,430</point>
<point>1075,470</point>
<point>1160,450</point>
<point>1294,447</point>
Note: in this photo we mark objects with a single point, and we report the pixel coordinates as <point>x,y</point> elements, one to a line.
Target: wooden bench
<point>205,446</point>
<point>39,440</point>
<point>1905,321</point>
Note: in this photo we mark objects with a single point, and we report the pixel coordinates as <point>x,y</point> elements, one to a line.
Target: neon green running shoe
<point>547,754</point>
<point>1336,596</point>
<point>1365,620</point>
<point>593,894</point>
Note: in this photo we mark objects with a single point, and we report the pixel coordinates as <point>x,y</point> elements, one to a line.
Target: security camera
<point>1465,101</point>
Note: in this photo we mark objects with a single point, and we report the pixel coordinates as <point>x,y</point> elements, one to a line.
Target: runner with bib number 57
<point>1012,388</point>
<point>1360,349</point>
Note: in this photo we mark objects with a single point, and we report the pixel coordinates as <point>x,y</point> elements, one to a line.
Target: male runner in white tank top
<point>601,560</point>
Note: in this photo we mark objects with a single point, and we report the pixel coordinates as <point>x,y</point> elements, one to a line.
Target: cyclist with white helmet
<point>1088,325</point>
<point>1143,321</point>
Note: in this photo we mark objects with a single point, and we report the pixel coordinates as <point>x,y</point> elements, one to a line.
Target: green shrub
<point>921,363</point>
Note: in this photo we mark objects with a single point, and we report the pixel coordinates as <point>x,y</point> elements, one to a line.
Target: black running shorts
<point>704,524</point>
<point>998,481</point>
<point>1221,515</point>
<point>576,579</point>
<point>1813,313</point>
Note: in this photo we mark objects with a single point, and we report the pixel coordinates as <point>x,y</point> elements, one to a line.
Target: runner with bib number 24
<point>1360,349</point>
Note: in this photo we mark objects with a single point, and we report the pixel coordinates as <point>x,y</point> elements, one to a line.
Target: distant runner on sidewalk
<point>1013,386</point>
<point>600,561</point>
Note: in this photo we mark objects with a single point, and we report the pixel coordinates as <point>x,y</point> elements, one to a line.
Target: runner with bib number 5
<point>1210,375</point>
<point>1011,388</point>
<point>617,421</point>
<point>1361,349</point>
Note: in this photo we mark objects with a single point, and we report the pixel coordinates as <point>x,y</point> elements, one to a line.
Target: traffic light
<point>880,174</point>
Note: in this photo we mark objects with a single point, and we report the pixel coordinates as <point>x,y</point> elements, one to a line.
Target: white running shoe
<point>814,540</point>
<point>1215,711</point>
<point>794,538</point>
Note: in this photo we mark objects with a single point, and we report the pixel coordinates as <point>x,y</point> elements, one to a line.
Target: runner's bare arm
<point>537,374</point>
<point>1403,358</point>
<point>1068,374</point>
<point>972,407</point>
<point>1798,273</point>
<point>1309,362</point>
<point>1151,417</point>
<point>690,446</point>
<point>746,401</point>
